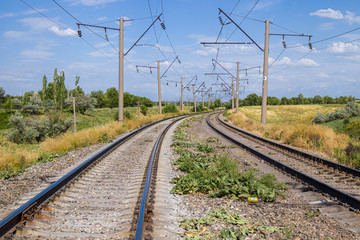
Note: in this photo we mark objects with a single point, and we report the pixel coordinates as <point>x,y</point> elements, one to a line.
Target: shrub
<point>34,106</point>
<point>351,109</point>
<point>128,115</point>
<point>29,130</point>
<point>170,108</point>
<point>143,110</point>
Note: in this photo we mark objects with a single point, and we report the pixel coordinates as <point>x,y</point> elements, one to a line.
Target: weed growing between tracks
<point>217,175</point>
<point>233,226</point>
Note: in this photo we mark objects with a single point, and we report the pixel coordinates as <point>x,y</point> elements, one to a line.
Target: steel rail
<point>341,196</point>
<point>18,215</point>
<point>150,172</point>
<point>337,166</point>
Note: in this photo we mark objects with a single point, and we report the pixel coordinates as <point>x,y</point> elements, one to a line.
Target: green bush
<point>143,110</point>
<point>170,108</point>
<point>351,109</point>
<point>30,130</point>
<point>127,115</point>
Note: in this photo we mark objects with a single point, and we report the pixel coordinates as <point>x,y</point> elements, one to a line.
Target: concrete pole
<point>202,97</point>
<point>194,97</point>
<point>209,100</point>
<point>182,96</point>
<point>159,87</point>
<point>237,88</point>
<point>232,95</point>
<point>74,114</point>
<point>265,74</point>
<point>121,71</point>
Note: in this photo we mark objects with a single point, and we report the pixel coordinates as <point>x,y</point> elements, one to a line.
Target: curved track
<point>340,182</point>
<point>103,198</point>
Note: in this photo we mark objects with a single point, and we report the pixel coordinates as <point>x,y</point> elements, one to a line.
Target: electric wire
<point>254,19</point>
<point>66,28</point>
<point>286,29</point>
<point>85,26</point>
<point>277,57</point>
<point>292,64</point>
<point>328,38</point>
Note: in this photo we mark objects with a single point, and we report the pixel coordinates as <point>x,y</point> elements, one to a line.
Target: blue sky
<point>31,45</point>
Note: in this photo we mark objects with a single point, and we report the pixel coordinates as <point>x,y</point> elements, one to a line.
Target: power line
<point>328,38</point>
<point>286,29</point>
<point>85,26</point>
<point>65,29</point>
<point>277,58</point>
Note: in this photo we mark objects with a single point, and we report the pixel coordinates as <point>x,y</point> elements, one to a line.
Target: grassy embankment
<point>292,125</point>
<point>92,127</point>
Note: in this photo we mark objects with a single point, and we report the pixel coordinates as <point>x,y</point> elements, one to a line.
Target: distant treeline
<point>255,100</point>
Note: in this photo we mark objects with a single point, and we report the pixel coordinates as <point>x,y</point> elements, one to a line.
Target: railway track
<point>106,197</point>
<point>335,180</point>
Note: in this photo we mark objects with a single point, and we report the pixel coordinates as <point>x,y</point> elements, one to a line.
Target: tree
<point>318,99</point>
<point>44,86</point>
<point>217,103</point>
<point>56,77</point>
<point>252,100</point>
<point>284,101</point>
<point>300,98</point>
<point>112,95</point>
<point>100,98</point>
<point>33,106</point>
<point>2,95</point>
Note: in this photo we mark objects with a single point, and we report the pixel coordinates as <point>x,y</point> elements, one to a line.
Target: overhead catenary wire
<point>66,28</point>
<point>85,26</point>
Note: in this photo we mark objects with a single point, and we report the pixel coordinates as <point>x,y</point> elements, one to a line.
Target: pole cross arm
<point>222,67</point>
<point>241,29</point>
<point>169,66</point>
<point>158,18</point>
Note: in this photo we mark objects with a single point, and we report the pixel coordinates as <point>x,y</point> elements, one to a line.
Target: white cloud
<point>6,15</point>
<point>328,13</point>
<point>30,12</point>
<point>62,33</point>
<point>350,16</point>
<point>307,63</point>
<point>14,34</point>
<point>282,61</point>
<point>206,52</point>
<point>102,19</point>
<point>36,55</point>
<point>341,47</point>
<point>91,3</point>
<point>337,14</point>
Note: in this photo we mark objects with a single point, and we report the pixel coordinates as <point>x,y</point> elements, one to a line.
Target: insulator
<point>310,46</point>
<point>167,84</point>
<point>79,33</point>
<point>221,21</point>
<point>284,44</point>
<point>179,61</point>
<point>175,84</point>
<point>150,71</point>
<point>162,25</point>
<point>137,69</point>
<point>106,37</point>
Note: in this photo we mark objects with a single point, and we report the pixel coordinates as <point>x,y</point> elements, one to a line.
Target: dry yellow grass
<point>15,157</point>
<point>292,125</point>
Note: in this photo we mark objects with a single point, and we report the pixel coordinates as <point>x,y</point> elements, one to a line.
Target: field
<point>92,127</point>
<point>292,125</point>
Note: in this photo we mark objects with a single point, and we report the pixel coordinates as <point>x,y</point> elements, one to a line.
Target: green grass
<point>217,175</point>
<point>339,125</point>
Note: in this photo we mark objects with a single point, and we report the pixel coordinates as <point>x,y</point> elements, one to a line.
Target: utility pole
<point>138,102</point>
<point>159,87</point>
<point>209,100</point>
<point>121,71</point>
<point>232,94</point>
<point>202,97</point>
<point>182,96</point>
<point>73,98</point>
<point>265,74</point>
<point>237,88</point>
<point>194,97</point>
